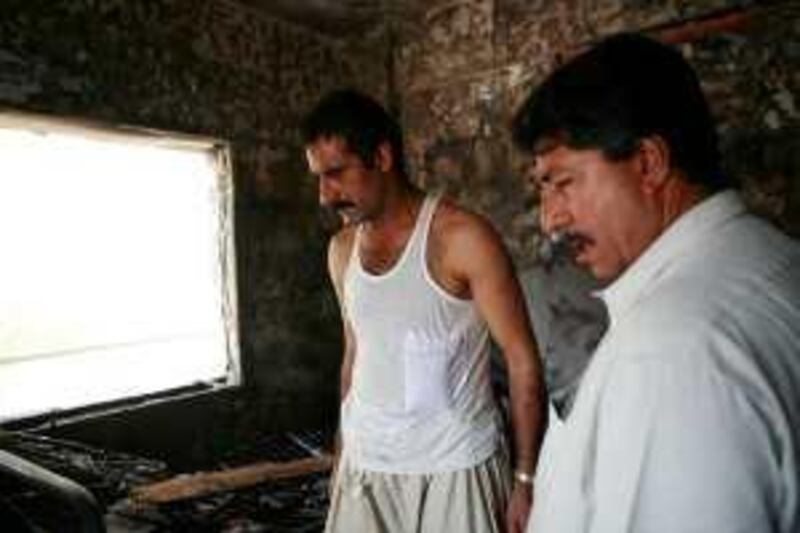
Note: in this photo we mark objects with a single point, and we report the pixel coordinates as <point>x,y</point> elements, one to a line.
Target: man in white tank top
<point>422,284</point>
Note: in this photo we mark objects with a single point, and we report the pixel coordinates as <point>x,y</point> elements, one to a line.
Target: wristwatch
<point>523,477</point>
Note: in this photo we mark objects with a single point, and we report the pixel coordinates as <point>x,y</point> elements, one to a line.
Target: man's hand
<point>519,508</point>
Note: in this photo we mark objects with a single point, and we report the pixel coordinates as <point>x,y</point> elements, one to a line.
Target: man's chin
<point>349,217</point>
<point>583,262</point>
<point>352,220</point>
<point>605,276</point>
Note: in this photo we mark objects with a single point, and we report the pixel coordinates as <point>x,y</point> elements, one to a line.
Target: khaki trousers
<point>472,500</point>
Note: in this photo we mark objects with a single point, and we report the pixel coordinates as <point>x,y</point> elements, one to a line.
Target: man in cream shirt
<point>687,419</point>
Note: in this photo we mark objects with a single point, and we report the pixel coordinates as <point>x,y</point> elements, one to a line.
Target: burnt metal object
<point>82,504</point>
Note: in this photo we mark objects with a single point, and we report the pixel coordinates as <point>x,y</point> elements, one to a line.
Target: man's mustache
<point>335,209</point>
<point>331,215</point>
<point>341,206</point>
<point>561,245</point>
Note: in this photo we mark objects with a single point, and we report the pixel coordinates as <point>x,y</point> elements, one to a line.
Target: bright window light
<point>117,273</point>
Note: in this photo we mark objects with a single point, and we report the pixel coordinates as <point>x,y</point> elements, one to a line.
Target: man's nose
<point>553,216</point>
<point>327,192</point>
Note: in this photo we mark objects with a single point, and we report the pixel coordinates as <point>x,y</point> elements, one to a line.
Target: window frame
<point>222,152</point>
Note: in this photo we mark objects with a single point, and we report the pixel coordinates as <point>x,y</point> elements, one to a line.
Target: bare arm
<point>339,250</point>
<point>478,257</point>
<point>499,298</point>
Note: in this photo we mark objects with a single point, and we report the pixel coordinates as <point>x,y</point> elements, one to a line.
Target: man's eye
<point>562,183</point>
<point>333,173</point>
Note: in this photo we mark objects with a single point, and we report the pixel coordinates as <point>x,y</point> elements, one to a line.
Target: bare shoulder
<point>456,227</point>
<point>464,242</point>
<point>339,249</point>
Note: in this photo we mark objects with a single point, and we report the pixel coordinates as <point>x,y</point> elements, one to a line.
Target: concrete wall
<point>217,68</point>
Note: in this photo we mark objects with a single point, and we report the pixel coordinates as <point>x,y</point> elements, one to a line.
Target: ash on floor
<point>297,504</point>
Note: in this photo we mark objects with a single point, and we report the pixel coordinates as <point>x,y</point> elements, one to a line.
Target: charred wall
<point>457,75</point>
<point>215,68</point>
<point>467,67</point>
<point>463,75</point>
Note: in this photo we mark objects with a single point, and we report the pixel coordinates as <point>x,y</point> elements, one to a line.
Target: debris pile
<point>278,483</point>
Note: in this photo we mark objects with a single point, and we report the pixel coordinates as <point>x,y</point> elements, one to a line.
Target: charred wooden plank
<point>203,483</point>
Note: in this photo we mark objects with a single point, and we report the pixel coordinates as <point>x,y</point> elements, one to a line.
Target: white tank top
<point>420,398</point>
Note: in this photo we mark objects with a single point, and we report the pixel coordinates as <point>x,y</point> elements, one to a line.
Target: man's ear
<point>384,157</point>
<point>654,163</point>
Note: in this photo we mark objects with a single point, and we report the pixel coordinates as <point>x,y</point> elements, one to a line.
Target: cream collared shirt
<point>688,417</point>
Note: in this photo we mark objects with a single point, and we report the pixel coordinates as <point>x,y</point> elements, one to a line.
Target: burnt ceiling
<point>341,17</point>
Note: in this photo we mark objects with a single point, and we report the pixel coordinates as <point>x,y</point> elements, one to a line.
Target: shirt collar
<point>677,240</point>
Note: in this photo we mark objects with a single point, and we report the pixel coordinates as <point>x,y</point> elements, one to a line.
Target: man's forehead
<point>557,157</point>
<point>329,144</point>
<point>327,151</point>
<point>538,169</point>
<point>548,143</point>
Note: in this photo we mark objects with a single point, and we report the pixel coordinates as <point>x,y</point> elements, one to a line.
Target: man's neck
<point>675,197</point>
<point>399,212</point>
<point>384,238</point>
<point>679,196</point>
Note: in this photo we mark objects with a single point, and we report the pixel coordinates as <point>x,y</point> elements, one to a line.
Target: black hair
<point>612,96</point>
<point>360,121</point>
